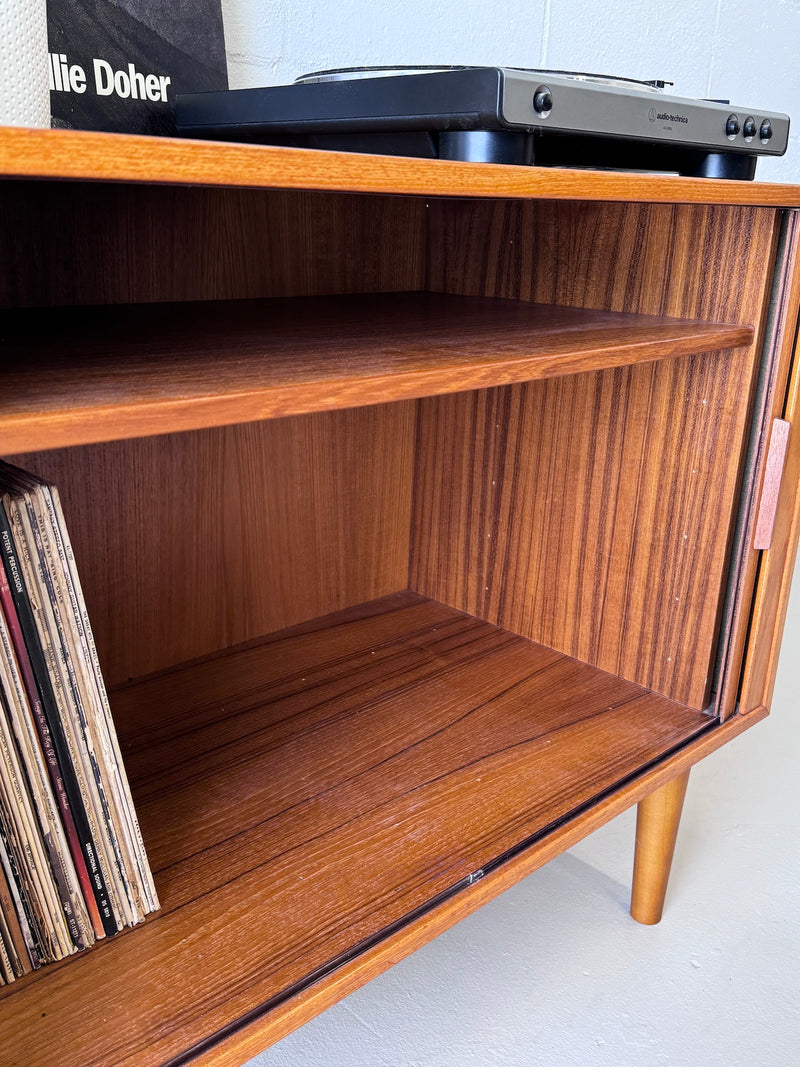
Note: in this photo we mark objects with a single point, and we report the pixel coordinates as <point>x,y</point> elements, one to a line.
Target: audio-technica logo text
<point>664,116</point>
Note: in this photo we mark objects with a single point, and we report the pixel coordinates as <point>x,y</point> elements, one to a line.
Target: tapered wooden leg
<point>657,823</point>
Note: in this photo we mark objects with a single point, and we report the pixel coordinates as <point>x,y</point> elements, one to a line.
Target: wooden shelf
<point>303,794</point>
<point>79,375</point>
<point>119,157</point>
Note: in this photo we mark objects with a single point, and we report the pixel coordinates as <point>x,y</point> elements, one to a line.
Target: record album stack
<point>72,864</point>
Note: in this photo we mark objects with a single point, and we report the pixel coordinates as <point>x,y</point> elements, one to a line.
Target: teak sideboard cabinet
<point>428,514</point>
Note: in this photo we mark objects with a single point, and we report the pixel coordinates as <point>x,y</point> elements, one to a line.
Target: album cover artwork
<point>117,65</point>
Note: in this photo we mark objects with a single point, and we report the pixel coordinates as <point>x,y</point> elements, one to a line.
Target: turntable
<point>496,114</point>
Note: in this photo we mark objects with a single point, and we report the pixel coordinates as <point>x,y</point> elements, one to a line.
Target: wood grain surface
<point>777,352</point>
<point>687,261</point>
<point>117,157</point>
<point>771,486</point>
<point>269,1023</point>
<point>303,793</point>
<point>310,799</point>
<point>603,498</point>
<point>769,577</point>
<point>98,243</point>
<point>591,514</point>
<point>771,598</point>
<point>657,821</point>
<point>189,543</point>
<point>73,376</point>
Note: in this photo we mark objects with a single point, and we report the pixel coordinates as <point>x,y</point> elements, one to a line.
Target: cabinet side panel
<point>189,543</point>
<point>96,243</point>
<point>693,261</point>
<point>590,513</point>
<point>631,497</point>
<point>778,561</point>
<point>742,618</point>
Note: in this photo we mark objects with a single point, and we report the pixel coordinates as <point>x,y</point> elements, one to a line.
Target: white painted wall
<point>742,50</point>
<point>554,973</point>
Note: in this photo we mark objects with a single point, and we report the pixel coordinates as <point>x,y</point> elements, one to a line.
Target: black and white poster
<point>117,65</point>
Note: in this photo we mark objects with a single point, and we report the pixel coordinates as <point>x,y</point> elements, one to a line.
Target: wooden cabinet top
<point>32,153</point>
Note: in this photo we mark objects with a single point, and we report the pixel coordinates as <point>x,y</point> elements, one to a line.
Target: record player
<point>496,114</point>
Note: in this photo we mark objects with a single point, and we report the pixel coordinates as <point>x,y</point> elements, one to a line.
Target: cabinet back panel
<point>95,243</point>
<point>590,513</point>
<point>189,543</point>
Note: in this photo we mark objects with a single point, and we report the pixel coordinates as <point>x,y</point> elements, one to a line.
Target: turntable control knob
<point>543,101</point>
<point>732,126</point>
<point>766,130</point>
<point>749,129</point>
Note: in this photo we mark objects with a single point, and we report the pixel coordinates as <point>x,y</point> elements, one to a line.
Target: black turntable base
<point>496,115</point>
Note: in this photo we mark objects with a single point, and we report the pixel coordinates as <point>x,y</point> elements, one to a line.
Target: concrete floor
<point>554,972</point>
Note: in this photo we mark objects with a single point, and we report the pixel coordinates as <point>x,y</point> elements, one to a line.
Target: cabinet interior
<point>421,631</point>
<point>561,509</point>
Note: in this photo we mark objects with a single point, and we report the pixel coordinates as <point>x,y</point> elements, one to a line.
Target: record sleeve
<point>38,722</point>
<point>26,848</point>
<point>118,64</point>
<point>26,912</point>
<point>108,745</point>
<point>19,569</point>
<point>49,577</point>
<point>15,943</point>
<point>61,663</point>
<point>6,969</point>
<point>52,831</point>
<point>83,715</point>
